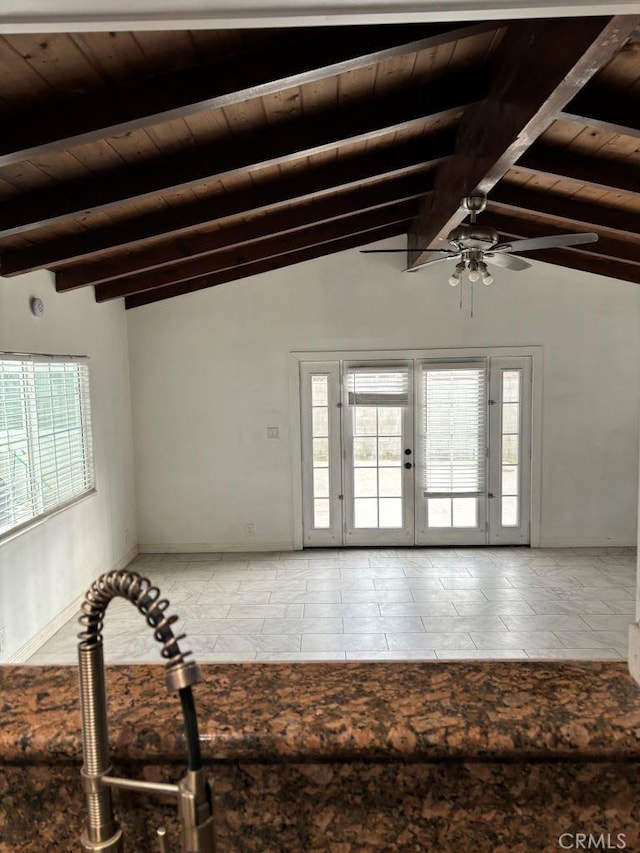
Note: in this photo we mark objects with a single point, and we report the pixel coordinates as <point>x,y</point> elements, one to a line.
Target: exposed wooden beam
<point>588,263</point>
<point>273,263</point>
<point>369,167</point>
<point>291,59</point>
<point>606,109</point>
<point>280,244</point>
<point>595,171</point>
<point>99,253</point>
<point>160,260</point>
<point>568,212</point>
<point>539,66</point>
<point>607,248</point>
<point>269,147</point>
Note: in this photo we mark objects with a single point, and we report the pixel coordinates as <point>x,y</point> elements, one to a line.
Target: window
<point>46,454</point>
<point>320,439</point>
<point>511,429</point>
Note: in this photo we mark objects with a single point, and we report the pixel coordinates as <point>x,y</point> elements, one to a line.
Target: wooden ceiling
<point>153,164</point>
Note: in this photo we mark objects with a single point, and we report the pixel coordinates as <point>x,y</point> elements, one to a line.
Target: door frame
<point>537,360</point>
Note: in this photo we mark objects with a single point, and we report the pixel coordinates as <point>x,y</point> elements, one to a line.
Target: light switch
<point>273,432</point>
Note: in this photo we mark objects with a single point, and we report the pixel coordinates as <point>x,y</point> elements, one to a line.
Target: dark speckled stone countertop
<point>349,711</point>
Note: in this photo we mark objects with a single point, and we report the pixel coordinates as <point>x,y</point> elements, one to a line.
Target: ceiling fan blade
<point>509,261</point>
<point>378,251</point>
<point>546,242</point>
<point>433,261</point>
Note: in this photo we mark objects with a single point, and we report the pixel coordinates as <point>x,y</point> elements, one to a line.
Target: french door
<point>417,451</point>
<point>378,478</point>
<point>451,468</point>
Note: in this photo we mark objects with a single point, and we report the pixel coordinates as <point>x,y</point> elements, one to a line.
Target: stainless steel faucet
<point>194,792</point>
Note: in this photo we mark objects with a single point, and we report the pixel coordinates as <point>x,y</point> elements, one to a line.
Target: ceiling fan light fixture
<point>454,278</point>
<point>487,278</point>
<point>474,272</point>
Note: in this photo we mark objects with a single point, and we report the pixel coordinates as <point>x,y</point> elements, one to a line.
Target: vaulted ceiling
<point>153,164</point>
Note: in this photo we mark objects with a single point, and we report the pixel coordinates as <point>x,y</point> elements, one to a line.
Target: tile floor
<point>380,604</point>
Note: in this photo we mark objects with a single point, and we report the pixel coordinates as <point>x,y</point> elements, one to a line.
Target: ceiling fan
<point>475,246</point>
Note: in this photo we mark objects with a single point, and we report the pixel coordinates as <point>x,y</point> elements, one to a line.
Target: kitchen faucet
<point>194,792</point>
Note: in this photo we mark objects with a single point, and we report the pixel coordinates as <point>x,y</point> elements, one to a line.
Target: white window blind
<point>46,454</point>
<point>453,426</point>
<point>377,386</point>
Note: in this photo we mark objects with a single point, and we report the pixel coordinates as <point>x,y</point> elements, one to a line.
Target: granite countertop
<point>328,711</point>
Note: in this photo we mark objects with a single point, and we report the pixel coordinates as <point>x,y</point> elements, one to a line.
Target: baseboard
<point>212,548</point>
<point>31,647</point>
<point>582,542</point>
<point>223,547</point>
<point>131,554</point>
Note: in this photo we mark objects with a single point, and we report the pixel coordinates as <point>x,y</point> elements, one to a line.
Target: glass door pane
<point>451,453</point>
<point>320,456</point>
<point>377,467</point>
<point>510,428</point>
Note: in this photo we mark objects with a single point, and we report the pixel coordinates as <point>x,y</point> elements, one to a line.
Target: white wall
<point>209,373</point>
<point>45,568</point>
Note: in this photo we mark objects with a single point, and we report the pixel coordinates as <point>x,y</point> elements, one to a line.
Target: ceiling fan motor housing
<point>473,236</point>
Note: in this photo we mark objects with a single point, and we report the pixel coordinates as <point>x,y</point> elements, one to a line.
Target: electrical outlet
<point>2,640</point>
<point>250,529</point>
